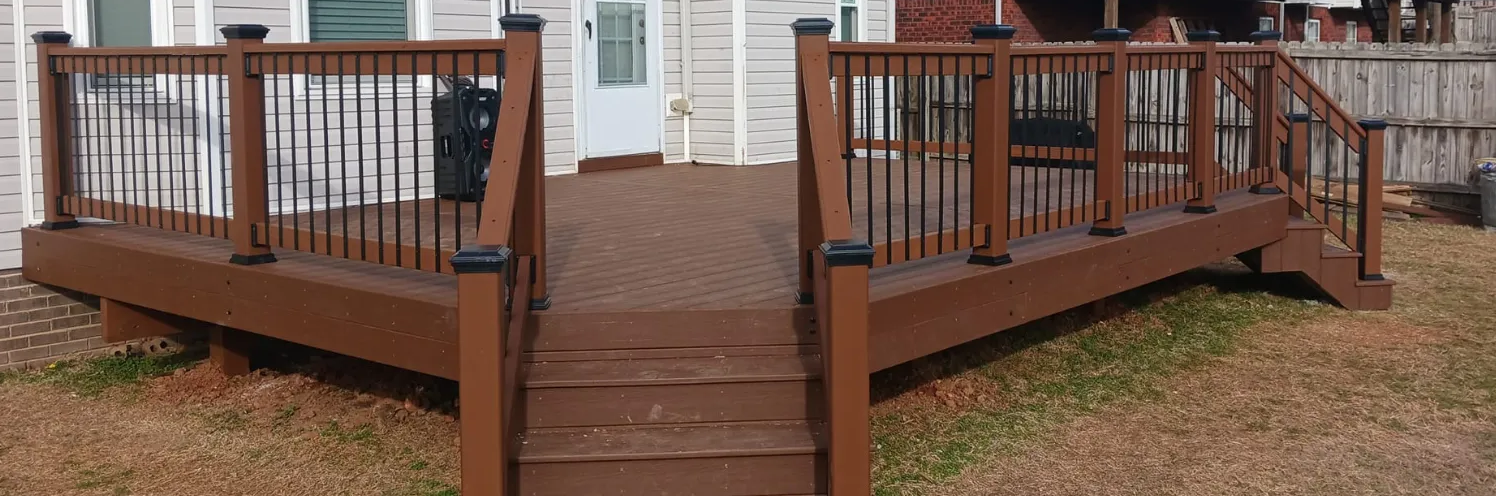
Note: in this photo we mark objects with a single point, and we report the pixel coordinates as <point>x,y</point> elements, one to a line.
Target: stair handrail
<point>834,274</point>
<point>1366,137</point>
<point>501,278</point>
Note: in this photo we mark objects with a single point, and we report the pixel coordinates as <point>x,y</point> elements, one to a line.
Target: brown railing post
<point>1369,230</point>
<point>480,375</point>
<point>812,36</point>
<point>989,158</point>
<point>247,143</point>
<point>1265,117</point>
<point>843,312</point>
<point>522,33</point>
<point>55,97</point>
<point>1111,144</point>
<point>1202,121</point>
<point>1298,159</point>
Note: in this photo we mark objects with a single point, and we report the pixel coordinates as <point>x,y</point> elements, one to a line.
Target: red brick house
<point>1149,20</point>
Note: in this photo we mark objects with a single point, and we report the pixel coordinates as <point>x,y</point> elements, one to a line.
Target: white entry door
<point>622,104</point>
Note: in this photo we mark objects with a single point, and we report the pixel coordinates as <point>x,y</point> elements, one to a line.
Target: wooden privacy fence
<point>1475,22</point>
<point>1437,101</point>
<point>334,149</point>
<point>911,151</point>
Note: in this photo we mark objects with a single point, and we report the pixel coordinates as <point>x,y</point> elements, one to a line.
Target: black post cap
<point>847,253</point>
<point>1300,118</point>
<point>812,26</point>
<point>481,259</point>
<point>1373,124</point>
<point>1206,35</point>
<point>993,32</point>
<point>50,37</point>
<point>1260,36</point>
<point>522,22</point>
<point>245,32</point>
<point>1111,34</point>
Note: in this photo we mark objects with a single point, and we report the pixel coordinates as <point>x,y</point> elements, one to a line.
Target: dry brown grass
<point>199,433</point>
<point>1402,402</point>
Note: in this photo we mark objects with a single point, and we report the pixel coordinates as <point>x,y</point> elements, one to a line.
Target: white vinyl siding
<point>712,122</point>
<point>12,215</point>
<point>771,69</point>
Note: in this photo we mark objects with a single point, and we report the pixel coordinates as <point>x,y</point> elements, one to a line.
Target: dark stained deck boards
<point>701,237</point>
<point>642,261</point>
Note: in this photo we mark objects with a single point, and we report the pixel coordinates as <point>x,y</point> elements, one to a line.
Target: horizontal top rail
<point>140,65</point>
<point>844,47</point>
<point>1246,49</point>
<point>1025,51</point>
<point>174,51</point>
<point>1324,106</point>
<point>1165,49</point>
<point>350,47</point>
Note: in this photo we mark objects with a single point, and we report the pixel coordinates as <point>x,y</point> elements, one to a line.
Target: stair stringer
<point>1333,270</point>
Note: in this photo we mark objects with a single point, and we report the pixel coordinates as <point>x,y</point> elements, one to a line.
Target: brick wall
<point>41,324</point>
<point>950,21</point>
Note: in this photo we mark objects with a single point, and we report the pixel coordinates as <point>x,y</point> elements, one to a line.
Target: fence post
<point>1111,142</point>
<point>1394,21</point>
<point>55,98</point>
<point>481,323</point>
<point>990,156</point>
<point>843,312</point>
<point>247,140</point>
<point>1369,232</point>
<point>522,32</point>
<point>1265,116</point>
<point>811,36</point>
<point>1203,85</point>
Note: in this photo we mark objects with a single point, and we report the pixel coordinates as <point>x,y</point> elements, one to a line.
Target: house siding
<point>770,80</point>
<point>12,213</point>
<point>713,120</point>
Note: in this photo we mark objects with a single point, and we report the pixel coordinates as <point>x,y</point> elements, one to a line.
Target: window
<point>621,57</point>
<point>120,23</point>
<point>360,20</point>
<point>1265,24</point>
<point>1350,31</point>
<point>1311,30</point>
<point>849,16</point>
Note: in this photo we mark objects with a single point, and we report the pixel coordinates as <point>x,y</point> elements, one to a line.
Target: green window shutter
<point>119,23</point>
<point>358,20</point>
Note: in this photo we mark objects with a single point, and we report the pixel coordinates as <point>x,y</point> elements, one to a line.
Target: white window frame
<point>1351,36</point>
<point>422,27</point>
<point>78,20</point>
<point>861,6</point>
<point>1315,24</point>
<point>1266,23</point>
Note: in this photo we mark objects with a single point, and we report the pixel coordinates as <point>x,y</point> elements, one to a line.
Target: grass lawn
<point>1214,382</point>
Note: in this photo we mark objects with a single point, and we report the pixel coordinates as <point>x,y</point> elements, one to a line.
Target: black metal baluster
<point>358,122</point>
<point>343,147</point>
<point>904,155</point>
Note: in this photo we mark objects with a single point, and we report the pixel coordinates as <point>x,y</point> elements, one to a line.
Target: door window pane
<point>849,23</point>
<point>621,59</point>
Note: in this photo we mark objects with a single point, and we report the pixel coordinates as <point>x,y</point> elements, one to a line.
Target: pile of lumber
<point>1399,200</point>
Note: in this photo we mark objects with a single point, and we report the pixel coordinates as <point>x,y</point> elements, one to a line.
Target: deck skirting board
<point>948,302</point>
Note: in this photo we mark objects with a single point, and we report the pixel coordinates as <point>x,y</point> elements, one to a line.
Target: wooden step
<point>731,459</point>
<point>672,391</point>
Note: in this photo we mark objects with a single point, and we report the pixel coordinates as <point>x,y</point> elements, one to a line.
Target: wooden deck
<point>704,237</point>
<point>637,259</point>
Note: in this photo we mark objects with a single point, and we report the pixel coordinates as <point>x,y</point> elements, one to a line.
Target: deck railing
<point>327,148</point>
<point>910,151</point>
